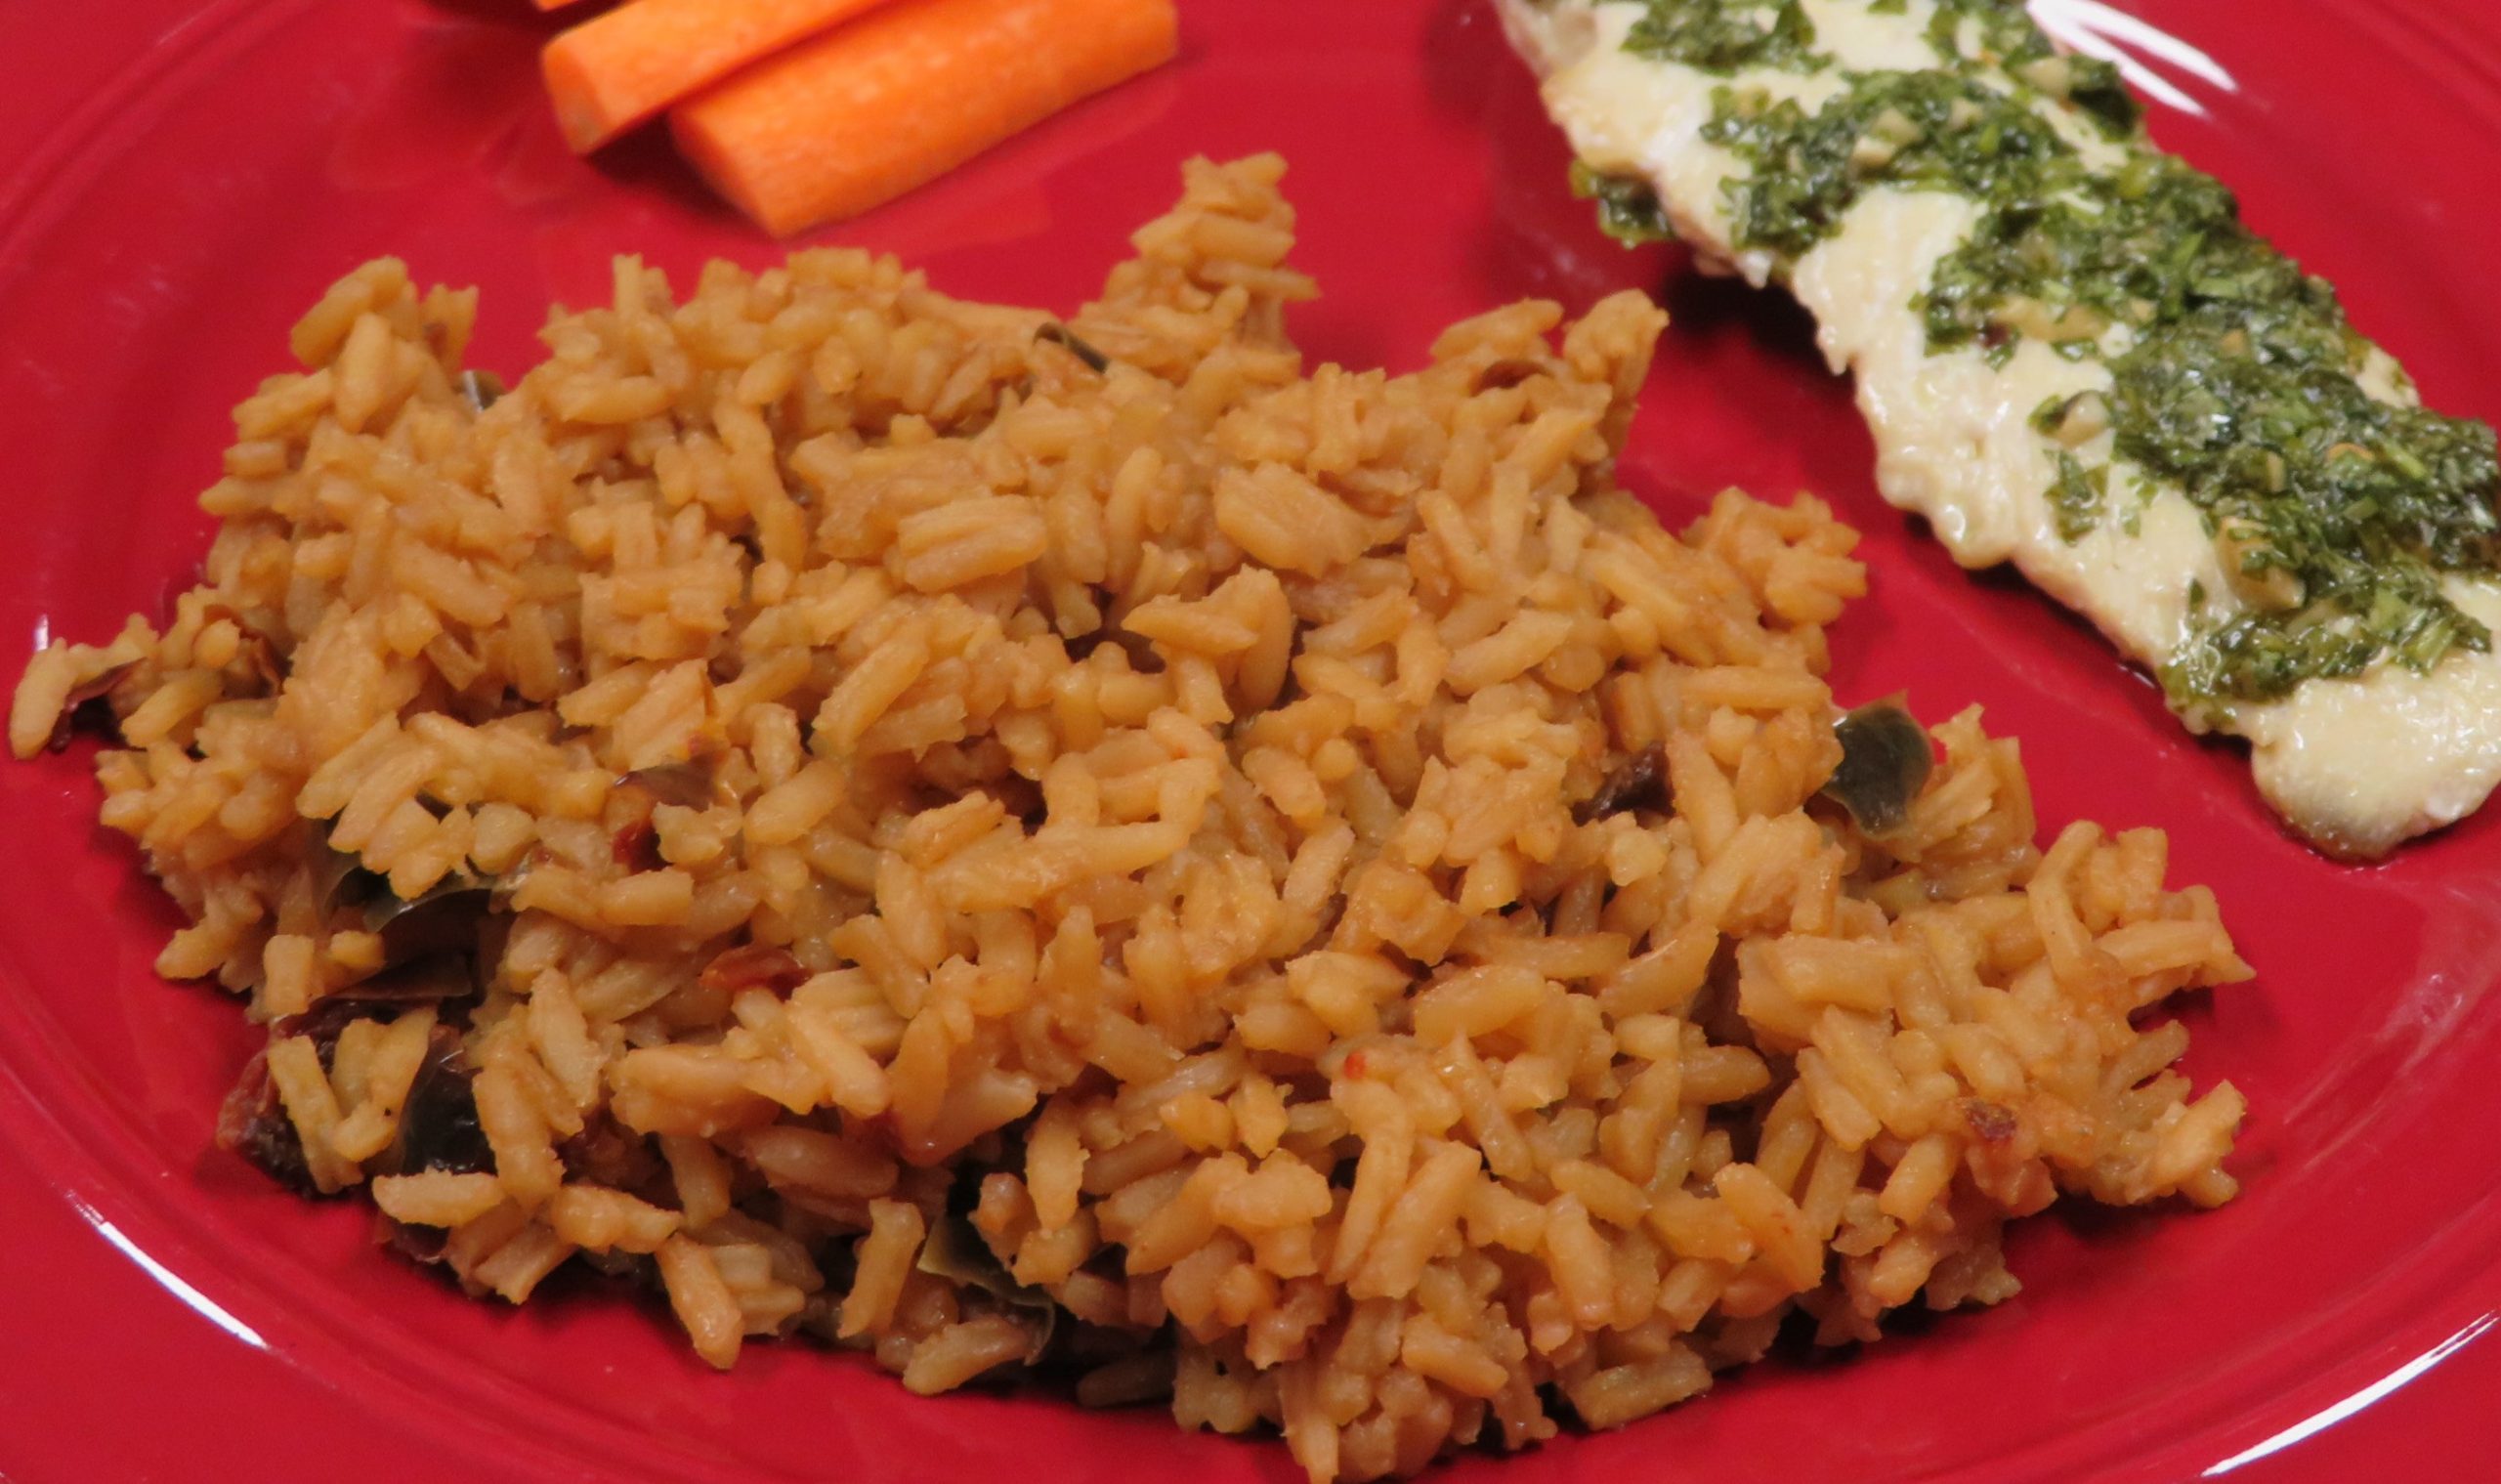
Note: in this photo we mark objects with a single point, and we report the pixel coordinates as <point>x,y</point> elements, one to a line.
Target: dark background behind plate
<point>183,179</point>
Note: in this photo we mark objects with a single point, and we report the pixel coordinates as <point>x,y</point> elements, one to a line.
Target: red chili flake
<point>1991,1123</point>
<point>753,965</point>
<point>637,847</point>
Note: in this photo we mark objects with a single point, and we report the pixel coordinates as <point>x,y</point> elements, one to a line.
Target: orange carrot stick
<point>867,112</point>
<point>611,72</point>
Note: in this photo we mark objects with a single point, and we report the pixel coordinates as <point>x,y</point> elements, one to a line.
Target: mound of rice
<point>1002,844</point>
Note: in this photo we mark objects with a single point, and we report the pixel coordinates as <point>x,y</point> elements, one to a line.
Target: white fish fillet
<point>2356,765</point>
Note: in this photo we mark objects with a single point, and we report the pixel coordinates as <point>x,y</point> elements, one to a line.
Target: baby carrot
<point>611,72</point>
<point>870,110</point>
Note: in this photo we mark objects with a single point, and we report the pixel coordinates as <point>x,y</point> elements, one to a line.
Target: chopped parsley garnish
<point>1629,210</point>
<point>1996,33</point>
<point>2078,496</point>
<point>1982,34</point>
<point>1727,35</point>
<point>1929,131</point>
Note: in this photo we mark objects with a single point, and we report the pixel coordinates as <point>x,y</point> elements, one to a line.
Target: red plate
<point>185,178</point>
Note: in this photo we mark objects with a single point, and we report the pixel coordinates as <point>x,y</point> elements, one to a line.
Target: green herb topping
<point>1629,210</point>
<point>1725,35</point>
<point>2234,375</point>
<point>1921,130</point>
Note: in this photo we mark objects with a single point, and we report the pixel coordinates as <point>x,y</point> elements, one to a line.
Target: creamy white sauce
<point>2358,765</point>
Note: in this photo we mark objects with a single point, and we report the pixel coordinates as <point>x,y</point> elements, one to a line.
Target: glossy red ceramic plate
<point>179,179</point>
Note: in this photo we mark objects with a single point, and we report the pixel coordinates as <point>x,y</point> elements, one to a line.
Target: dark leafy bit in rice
<point>1639,781</point>
<point>1057,333</point>
<point>1886,760</point>
<point>439,1128</point>
<point>253,1124</point>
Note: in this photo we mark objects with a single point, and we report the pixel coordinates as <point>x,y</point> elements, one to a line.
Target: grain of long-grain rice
<point>824,794</point>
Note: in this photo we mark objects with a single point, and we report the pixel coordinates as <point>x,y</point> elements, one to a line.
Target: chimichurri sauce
<point>2234,374</point>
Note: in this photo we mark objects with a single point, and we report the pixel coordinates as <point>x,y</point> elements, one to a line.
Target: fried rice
<point>1005,845</point>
